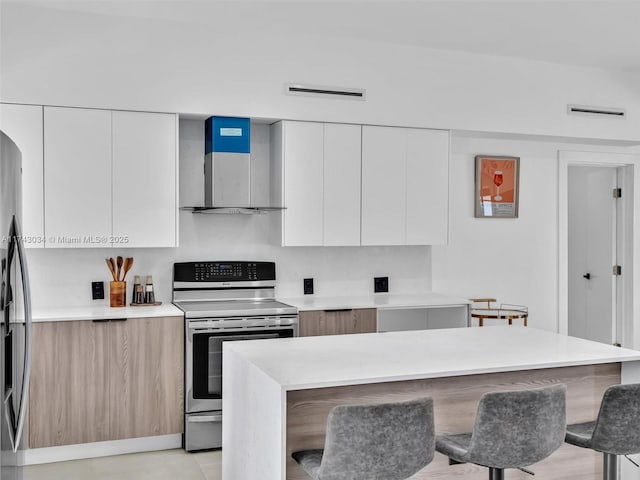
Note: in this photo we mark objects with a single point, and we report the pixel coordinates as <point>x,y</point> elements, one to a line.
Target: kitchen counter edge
<point>103,312</point>
<point>379,301</point>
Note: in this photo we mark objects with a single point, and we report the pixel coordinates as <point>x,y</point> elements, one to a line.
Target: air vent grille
<point>327,92</point>
<point>599,111</point>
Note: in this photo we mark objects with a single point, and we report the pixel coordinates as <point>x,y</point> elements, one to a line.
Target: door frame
<point>629,251</point>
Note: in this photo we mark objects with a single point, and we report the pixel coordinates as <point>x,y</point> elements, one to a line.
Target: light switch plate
<point>380,284</point>
<point>97,290</point>
<point>307,284</point>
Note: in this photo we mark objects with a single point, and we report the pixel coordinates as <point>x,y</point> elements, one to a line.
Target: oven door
<point>204,362</point>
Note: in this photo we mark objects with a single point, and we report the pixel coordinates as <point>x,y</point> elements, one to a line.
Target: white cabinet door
<point>144,179</point>
<point>427,186</point>
<point>303,183</point>
<point>342,166</point>
<point>77,177</point>
<point>384,152</point>
<point>23,124</point>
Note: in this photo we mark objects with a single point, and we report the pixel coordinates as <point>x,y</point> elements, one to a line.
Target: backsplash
<point>62,277</point>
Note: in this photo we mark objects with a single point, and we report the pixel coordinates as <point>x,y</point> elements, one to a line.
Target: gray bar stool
<point>615,432</point>
<point>512,430</point>
<point>389,441</point>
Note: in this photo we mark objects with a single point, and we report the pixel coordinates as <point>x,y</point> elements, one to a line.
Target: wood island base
<point>455,403</point>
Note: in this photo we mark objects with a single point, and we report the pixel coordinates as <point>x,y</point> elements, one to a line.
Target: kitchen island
<point>277,393</point>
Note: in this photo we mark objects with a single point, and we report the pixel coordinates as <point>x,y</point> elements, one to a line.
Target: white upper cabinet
<point>427,187</point>
<point>349,185</point>
<point>405,175</point>
<point>302,158</point>
<point>77,177</point>
<point>342,155</point>
<point>110,178</point>
<point>384,175</point>
<point>144,179</point>
<point>23,124</point>
<point>321,183</point>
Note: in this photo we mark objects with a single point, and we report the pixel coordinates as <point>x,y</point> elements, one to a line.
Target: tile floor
<point>163,465</point>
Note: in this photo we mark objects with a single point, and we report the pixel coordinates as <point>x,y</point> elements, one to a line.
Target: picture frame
<point>497,186</point>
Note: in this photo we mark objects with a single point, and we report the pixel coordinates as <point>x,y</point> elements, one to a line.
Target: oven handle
<point>204,418</point>
<point>241,330</point>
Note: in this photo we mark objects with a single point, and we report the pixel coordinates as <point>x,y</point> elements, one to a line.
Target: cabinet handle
<point>204,418</point>
<point>100,320</point>
<point>118,319</point>
<point>340,310</point>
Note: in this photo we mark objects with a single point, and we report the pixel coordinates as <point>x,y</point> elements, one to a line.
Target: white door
<point>23,124</point>
<point>592,253</point>
<point>427,210</point>
<point>77,177</point>
<point>144,179</point>
<point>303,152</point>
<point>384,180</point>
<point>341,198</point>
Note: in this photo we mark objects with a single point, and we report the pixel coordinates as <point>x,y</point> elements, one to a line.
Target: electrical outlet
<point>308,286</point>
<point>380,284</point>
<point>97,290</point>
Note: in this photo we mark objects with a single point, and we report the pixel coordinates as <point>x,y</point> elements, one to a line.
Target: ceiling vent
<point>597,111</point>
<point>327,92</point>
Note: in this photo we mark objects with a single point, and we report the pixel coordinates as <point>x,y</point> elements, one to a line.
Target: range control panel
<point>223,271</point>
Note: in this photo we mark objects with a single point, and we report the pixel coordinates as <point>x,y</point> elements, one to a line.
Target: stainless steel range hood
<point>234,181</point>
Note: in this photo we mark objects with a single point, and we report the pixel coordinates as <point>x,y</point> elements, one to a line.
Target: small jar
<point>149,296</point>
<point>136,284</point>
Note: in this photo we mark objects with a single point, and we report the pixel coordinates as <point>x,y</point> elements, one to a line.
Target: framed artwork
<point>497,186</point>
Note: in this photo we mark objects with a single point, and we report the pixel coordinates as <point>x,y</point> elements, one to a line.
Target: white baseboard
<point>37,456</point>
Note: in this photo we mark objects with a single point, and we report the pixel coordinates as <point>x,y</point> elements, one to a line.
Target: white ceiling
<point>603,34</point>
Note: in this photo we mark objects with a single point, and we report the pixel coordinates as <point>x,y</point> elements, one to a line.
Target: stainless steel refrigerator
<point>15,314</point>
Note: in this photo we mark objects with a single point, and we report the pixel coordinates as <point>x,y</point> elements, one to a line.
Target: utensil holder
<point>118,294</point>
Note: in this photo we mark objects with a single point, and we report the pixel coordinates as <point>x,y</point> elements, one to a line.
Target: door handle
<point>587,276</point>
<point>26,370</point>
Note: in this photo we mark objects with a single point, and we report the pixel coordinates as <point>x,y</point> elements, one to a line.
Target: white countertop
<point>57,314</point>
<point>378,300</point>
<point>328,361</point>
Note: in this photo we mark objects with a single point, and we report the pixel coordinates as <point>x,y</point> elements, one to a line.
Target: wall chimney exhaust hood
<point>234,181</point>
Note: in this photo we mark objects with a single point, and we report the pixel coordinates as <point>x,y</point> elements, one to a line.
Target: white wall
<point>513,260</point>
<point>226,67</point>
<point>237,65</point>
<point>63,277</point>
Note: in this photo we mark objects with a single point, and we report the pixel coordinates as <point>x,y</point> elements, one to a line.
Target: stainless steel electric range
<point>222,302</point>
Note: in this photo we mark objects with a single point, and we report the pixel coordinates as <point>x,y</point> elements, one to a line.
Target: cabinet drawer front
<point>337,322</point>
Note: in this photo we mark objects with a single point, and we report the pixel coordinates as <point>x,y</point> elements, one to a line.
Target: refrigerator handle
<point>26,371</point>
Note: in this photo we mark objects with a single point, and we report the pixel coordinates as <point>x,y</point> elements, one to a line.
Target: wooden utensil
<point>119,263</point>
<point>128,263</point>
<point>110,264</point>
<point>113,267</point>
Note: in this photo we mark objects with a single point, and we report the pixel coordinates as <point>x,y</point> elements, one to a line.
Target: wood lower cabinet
<point>108,380</point>
<point>146,377</point>
<point>337,322</point>
<point>69,384</point>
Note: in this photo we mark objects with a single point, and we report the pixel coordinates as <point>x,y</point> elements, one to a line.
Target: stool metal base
<point>609,466</point>
<point>496,474</point>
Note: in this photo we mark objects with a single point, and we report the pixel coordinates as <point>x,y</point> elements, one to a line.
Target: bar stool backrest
<point>390,441</point>
<point>617,429</point>
<point>517,428</point>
